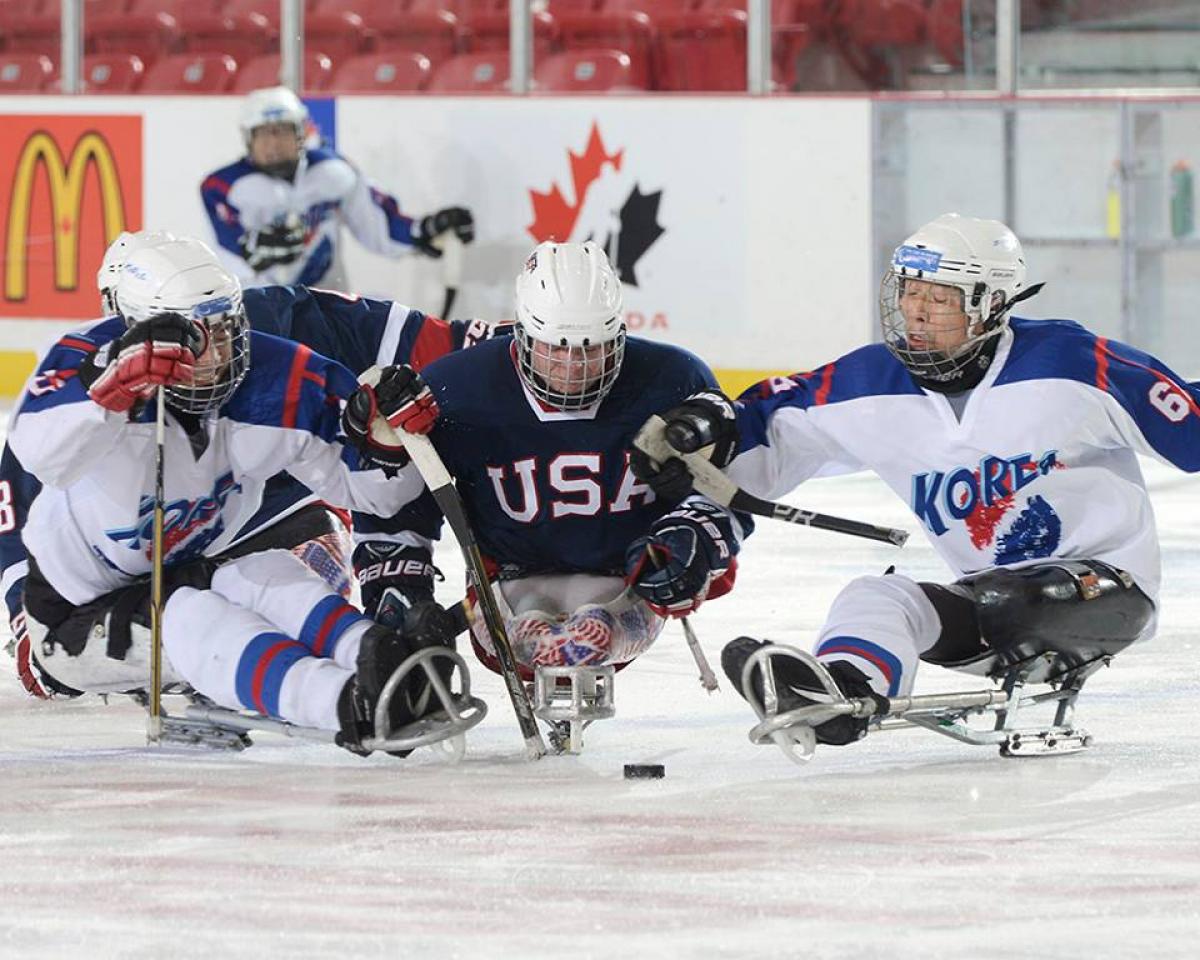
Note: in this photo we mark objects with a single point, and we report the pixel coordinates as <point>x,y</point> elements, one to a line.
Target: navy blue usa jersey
<point>547,490</point>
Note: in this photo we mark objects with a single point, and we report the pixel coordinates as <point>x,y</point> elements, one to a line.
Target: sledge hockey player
<point>1013,441</point>
<point>260,631</point>
<point>587,560</point>
<point>276,213</point>
<point>356,332</point>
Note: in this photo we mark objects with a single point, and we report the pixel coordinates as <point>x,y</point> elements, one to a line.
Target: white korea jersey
<point>1042,464</point>
<point>90,528</point>
<point>325,192</point>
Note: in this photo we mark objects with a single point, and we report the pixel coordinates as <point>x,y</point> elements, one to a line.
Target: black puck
<point>645,771</point>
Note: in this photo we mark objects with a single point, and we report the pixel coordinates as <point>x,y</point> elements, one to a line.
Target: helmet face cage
<point>583,375</point>
<point>223,363</point>
<point>928,362</point>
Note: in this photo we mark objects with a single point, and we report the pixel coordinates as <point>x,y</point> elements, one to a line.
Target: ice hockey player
<point>260,631</point>
<point>276,213</point>
<point>1013,441</point>
<point>534,431</point>
<point>358,333</point>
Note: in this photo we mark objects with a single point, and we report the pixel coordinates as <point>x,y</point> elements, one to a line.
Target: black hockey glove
<point>278,244</point>
<point>456,219</point>
<point>687,549</point>
<point>706,423</point>
<point>394,579</point>
<point>404,400</point>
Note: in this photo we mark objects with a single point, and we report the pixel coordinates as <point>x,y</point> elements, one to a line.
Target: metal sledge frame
<point>206,724</point>
<point>793,731</point>
<point>568,708</point>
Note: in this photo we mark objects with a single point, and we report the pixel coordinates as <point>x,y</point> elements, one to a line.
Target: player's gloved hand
<point>402,399</point>
<point>394,579</point>
<point>160,351</point>
<point>27,672</point>
<point>706,423</point>
<point>686,550</point>
<point>279,243</point>
<point>452,219</point>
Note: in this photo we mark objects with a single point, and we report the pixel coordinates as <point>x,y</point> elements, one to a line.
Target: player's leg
<point>318,534</point>
<point>570,620</point>
<point>871,643</point>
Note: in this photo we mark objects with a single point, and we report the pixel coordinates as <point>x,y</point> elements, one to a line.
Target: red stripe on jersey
<point>1161,377</point>
<point>822,394</point>
<point>878,661</point>
<point>260,673</point>
<point>291,396</point>
<point>215,183</point>
<point>323,633</point>
<point>435,339</point>
<point>1101,363</point>
<point>73,344</point>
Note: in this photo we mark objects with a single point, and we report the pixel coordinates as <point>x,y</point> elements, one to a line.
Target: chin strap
<point>1025,294</point>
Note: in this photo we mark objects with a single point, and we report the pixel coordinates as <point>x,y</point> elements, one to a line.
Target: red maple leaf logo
<point>553,217</point>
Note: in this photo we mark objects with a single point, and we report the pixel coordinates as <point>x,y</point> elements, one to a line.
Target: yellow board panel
<point>15,368</point>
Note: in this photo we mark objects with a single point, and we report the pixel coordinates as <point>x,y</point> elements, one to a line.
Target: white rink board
<point>764,263</point>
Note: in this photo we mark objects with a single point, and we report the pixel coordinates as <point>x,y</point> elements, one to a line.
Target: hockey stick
<point>452,267</point>
<point>154,725</point>
<point>708,679</point>
<point>712,483</point>
<point>437,478</point>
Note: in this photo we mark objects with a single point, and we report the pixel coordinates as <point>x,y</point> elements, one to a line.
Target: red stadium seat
<point>883,23</point>
<point>243,36</point>
<point>559,7</point>
<point>268,8</point>
<point>629,31</point>
<point>181,10</point>
<point>33,34</point>
<point>112,73</point>
<point>148,36</point>
<point>581,71</point>
<point>341,35</point>
<point>191,73</point>
<point>945,29</point>
<point>486,72</point>
<point>434,34</point>
<point>459,7</point>
<point>703,51</point>
<point>490,31</point>
<point>264,72</point>
<point>652,8</point>
<point>98,8</point>
<point>400,72</point>
<point>25,72</point>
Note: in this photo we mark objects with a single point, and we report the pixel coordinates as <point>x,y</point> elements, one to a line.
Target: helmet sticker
<point>917,258</point>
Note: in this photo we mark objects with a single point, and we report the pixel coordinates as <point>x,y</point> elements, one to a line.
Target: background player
<point>276,212</point>
<point>535,429</point>
<point>1013,441</point>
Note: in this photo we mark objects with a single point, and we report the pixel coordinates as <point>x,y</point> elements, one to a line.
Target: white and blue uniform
<point>1041,465</point>
<point>90,528</point>
<point>325,192</point>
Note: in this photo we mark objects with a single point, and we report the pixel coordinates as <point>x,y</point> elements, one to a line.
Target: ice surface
<point>904,845</point>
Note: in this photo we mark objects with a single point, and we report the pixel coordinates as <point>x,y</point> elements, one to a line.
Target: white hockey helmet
<point>981,260</point>
<point>271,105</point>
<point>114,259</point>
<point>569,302</point>
<point>184,276</point>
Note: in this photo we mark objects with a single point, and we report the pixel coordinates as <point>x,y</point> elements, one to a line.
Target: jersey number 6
<point>1168,401</point>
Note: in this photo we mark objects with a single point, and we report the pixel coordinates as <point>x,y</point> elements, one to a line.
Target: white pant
<point>882,625</point>
<point>568,619</point>
<point>269,635</point>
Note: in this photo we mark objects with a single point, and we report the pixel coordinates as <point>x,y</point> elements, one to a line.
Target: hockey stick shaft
<point>715,485</point>
<point>154,724</point>
<point>708,679</point>
<point>452,267</point>
<point>438,480</point>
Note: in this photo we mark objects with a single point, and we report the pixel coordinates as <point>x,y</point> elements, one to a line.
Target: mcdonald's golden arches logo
<point>73,183</point>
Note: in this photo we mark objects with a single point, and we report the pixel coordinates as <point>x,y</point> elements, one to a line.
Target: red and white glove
<point>161,351</point>
<point>30,676</point>
<point>401,398</point>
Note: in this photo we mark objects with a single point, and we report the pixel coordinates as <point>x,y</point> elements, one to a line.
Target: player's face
<point>274,145</point>
<point>218,352</point>
<point>569,371</point>
<point>933,317</point>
